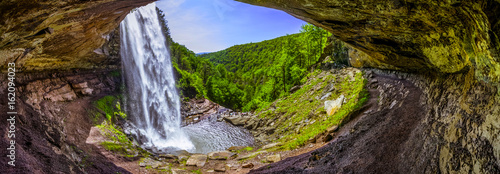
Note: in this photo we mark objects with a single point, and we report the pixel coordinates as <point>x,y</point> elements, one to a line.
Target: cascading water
<point>153,102</point>
<point>153,99</point>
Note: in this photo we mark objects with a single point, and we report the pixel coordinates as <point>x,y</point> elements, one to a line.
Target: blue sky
<point>213,25</point>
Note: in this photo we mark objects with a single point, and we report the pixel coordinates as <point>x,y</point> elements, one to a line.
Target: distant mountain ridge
<point>202,53</point>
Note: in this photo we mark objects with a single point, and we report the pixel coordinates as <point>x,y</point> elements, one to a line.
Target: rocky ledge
<point>414,35</point>
<point>43,35</point>
<point>52,117</point>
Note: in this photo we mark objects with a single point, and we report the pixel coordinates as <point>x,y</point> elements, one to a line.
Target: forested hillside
<point>248,76</point>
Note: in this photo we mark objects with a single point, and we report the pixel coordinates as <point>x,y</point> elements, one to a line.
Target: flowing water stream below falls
<point>153,103</point>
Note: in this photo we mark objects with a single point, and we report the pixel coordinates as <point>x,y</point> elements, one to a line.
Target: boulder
<point>326,96</point>
<point>312,140</point>
<point>237,120</point>
<point>235,148</point>
<point>180,171</point>
<point>327,138</point>
<point>253,154</point>
<point>269,146</point>
<point>247,165</point>
<point>86,91</point>
<point>220,155</point>
<point>232,166</point>
<point>80,85</point>
<point>164,167</point>
<point>182,152</point>
<point>182,157</point>
<point>167,156</point>
<point>331,106</point>
<point>197,160</point>
<point>332,129</point>
<point>96,136</point>
<point>150,162</point>
<point>273,158</point>
<point>220,167</point>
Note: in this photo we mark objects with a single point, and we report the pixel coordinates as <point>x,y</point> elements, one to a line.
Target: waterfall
<point>153,104</point>
<point>152,97</point>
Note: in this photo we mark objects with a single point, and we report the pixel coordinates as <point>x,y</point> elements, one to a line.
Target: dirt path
<point>373,142</point>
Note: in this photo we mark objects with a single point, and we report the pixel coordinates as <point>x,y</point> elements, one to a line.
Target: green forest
<point>248,76</point>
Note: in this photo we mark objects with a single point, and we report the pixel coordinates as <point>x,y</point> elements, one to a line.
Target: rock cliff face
<point>421,35</point>
<point>461,126</point>
<point>42,35</point>
<point>459,131</point>
<point>420,123</point>
<point>53,121</point>
<point>46,39</point>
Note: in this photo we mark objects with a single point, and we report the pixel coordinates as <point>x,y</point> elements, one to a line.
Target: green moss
<point>116,73</point>
<point>304,105</point>
<point>119,143</point>
<point>114,133</point>
<point>183,161</point>
<point>196,171</point>
<point>251,157</point>
<point>114,147</point>
<point>110,107</point>
<point>246,149</point>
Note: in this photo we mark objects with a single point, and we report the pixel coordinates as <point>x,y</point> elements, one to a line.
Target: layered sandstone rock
<point>41,35</point>
<point>422,35</point>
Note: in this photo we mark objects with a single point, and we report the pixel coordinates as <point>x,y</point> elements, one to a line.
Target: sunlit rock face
<point>42,35</point>
<point>423,35</point>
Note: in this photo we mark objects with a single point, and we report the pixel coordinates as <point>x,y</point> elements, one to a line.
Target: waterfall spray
<point>153,100</point>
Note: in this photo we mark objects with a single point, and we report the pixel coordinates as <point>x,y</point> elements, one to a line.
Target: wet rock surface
<point>62,35</point>
<point>220,155</point>
<point>195,110</point>
<point>197,160</point>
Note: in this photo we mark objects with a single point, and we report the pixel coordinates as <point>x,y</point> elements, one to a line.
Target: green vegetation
<point>112,132</point>
<point>246,149</point>
<point>108,113</point>
<point>252,75</point>
<point>246,77</point>
<point>114,147</point>
<point>196,171</point>
<point>119,142</point>
<point>266,70</point>
<point>111,109</point>
<point>293,111</point>
<point>116,73</point>
<point>258,77</point>
<point>182,161</point>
